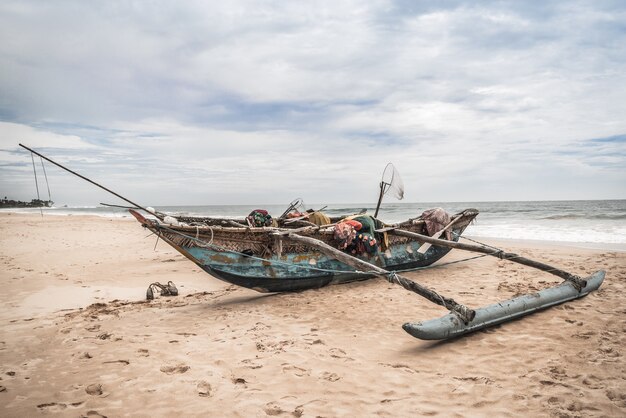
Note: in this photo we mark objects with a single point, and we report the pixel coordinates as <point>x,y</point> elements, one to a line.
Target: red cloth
<point>436,219</point>
<point>356,224</point>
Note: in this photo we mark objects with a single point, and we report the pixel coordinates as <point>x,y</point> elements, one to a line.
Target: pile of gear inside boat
<point>357,234</point>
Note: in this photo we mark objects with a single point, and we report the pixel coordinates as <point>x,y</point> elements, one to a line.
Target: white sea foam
<point>601,221</point>
<point>561,233</point>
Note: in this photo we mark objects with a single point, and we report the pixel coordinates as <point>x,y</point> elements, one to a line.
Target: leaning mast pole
<point>85,178</point>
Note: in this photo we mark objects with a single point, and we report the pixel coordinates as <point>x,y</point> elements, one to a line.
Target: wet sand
<point>77,337</point>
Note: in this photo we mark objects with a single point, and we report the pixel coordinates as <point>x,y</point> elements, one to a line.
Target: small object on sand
<point>168,289</point>
<point>172,288</point>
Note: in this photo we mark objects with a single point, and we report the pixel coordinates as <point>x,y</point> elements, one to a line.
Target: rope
<point>477,242</point>
<point>36,182</point>
<point>577,281</point>
<point>157,241</point>
<point>46,176</point>
<point>463,312</point>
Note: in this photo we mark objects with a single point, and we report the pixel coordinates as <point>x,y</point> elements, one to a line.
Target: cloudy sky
<point>245,102</point>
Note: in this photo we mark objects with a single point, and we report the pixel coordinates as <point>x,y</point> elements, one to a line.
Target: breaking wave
<point>601,216</point>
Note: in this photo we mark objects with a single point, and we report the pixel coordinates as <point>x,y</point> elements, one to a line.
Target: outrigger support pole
<point>466,314</point>
<point>578,282</point>
<point>449,326</point>
<point>463,320</point>
<point>86,179</point>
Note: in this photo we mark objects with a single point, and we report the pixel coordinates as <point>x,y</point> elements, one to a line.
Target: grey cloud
<point>275,89</point>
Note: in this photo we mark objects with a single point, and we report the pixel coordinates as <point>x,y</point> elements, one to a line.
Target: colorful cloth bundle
<point>344,233</point>
<point>260,218</point>
<point>363,243</point>
<point>356,235</point>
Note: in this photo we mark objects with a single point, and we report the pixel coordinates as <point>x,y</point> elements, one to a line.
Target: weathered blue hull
<point>294,272</point>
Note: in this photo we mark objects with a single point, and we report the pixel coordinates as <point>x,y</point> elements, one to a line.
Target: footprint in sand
<point>124,362</point>
<point>298,371</point>
<point>338,353</point>
<point>57,407</point>
<point>609,352</point>
<point>186,334</point>
<point>3,389</point>
<point>204,389</point>
<point>584,335</point>
<point>259,326</point>
<point>593,382</point>
<point>618,398</point>
<point>272,409</point>
<point>557,372</point>
<point>52,406</point>
<point>143,352</point>
<point>178,369</point>
<point>331,377</point>
<point>94,389</point>
<point>250,364</point>
<point>93,414</point>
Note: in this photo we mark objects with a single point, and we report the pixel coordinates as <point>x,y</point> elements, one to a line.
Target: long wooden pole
<point>464,312</point>
<point>380,197</point>
<point>85,178</point>
<point>576,280</point>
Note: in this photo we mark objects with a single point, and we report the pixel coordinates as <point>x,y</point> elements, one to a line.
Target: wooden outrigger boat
<point>268,259</point>
<point>291,257</point>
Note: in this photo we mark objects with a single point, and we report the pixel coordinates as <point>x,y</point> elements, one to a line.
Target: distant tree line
<point>35,203</point>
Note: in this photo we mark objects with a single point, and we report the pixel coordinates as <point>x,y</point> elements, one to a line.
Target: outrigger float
<point>296,255</point>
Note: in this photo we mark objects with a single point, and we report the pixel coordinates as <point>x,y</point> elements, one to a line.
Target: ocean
<point>593,223</point>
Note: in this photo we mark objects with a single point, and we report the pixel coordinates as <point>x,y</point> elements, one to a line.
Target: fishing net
<point>392,182</point>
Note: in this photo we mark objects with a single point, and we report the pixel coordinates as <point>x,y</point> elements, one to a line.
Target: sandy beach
<point>77,337</point>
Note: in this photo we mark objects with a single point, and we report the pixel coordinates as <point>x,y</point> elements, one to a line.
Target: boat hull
<point>278,265</point>
<point>310,270</point>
